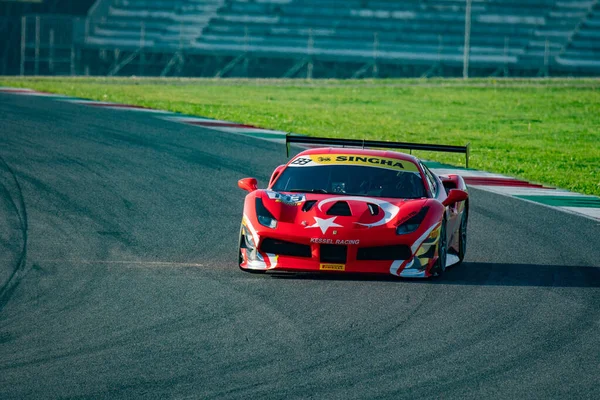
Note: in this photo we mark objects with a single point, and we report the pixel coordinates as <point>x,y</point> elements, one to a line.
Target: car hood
<point>355,212</point>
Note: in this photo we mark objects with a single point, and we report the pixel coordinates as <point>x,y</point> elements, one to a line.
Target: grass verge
<point>546,131</point>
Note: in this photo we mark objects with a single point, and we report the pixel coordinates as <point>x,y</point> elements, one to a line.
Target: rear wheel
<point>462,236</point>
<point>440,265</point>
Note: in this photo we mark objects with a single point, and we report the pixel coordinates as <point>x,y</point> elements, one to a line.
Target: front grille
<point>333,253</point>
<point>396,252</point>
<point>284,248</point>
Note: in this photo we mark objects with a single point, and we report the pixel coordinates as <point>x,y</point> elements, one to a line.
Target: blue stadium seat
<point>527,33</point>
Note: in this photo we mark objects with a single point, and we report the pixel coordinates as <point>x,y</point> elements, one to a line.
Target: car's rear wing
<point>375,144</point>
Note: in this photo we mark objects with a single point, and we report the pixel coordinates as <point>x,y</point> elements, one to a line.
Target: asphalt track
<point>130,289</point>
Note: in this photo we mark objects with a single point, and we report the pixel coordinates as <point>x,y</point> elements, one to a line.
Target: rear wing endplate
<point>289,139</point>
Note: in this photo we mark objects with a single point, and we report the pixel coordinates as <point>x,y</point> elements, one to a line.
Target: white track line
<point>125,262</point>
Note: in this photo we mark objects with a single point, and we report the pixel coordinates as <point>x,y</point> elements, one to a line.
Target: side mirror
<point>448,183</point>
<point>455,196</point>
<point>248,184</point>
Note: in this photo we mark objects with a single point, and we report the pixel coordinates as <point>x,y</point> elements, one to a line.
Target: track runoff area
<point>119,279</point>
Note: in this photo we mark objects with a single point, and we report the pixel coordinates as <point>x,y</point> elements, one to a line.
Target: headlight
<point>412,224</point>
<point>249,239</point>
<point>263,215</point>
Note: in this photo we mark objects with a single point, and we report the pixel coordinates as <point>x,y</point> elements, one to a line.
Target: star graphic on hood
<point>324,224</point>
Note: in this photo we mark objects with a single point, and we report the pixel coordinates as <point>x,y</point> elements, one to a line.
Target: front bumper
<point>416,262</point>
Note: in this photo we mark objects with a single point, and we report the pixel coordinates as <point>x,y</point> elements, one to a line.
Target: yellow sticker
<point>332,267</point>
<point>354,159</point>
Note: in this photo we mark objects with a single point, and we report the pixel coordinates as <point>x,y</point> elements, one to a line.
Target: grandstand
<point>339,38</point>
<point>11,13</point>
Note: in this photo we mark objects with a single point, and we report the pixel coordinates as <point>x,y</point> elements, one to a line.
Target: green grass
<point>546,131</point>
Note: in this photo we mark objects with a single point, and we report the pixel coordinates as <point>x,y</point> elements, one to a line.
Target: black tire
<point>462,236</point>
<point>440,265</point>
<point>242,244</point>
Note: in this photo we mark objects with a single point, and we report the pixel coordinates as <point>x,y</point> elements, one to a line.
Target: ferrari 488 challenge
<point>354,210</point>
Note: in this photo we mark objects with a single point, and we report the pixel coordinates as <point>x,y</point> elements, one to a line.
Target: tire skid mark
<point>120,338</point>
<point>573,330</point>
<point>488,333</point>
<point>581,324</point>
<point>16,275</point>
<point>337,354</point>
<point>493,330</point>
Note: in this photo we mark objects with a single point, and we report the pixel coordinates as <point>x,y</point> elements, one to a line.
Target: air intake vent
<point>373,208</point>
<point>340,208</point>
<point>284,248</point>
<point>397,252</point>
<point>333,253</point>
<point>308,205</point>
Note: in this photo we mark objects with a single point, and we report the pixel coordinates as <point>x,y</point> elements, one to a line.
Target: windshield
<point>351,180</point>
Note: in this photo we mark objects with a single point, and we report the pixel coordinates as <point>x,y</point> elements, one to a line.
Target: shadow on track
<point>497,274</point>
<point>481,274</point>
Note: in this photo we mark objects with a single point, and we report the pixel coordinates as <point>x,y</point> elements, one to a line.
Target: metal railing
<point>55,45</point>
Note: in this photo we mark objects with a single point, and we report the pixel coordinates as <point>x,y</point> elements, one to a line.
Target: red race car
<point>355,210</point>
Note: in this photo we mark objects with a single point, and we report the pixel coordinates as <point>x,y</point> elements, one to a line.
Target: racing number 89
<point>301,161</point>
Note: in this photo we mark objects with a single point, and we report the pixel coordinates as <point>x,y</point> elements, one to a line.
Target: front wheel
<point>440,265</point>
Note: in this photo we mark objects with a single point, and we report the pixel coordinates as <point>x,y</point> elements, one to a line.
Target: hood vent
<point>373,208</point>
<point>340,208</point>
<point>308,205</point>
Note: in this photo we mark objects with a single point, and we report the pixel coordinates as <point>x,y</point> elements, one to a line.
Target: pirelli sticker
<point>332,267</point>
<point>353,159</point>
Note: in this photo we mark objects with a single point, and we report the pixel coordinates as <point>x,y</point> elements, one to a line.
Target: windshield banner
<point>353,159</point>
